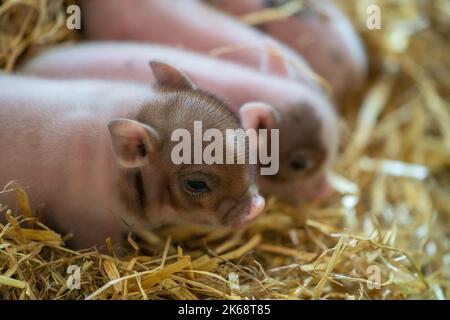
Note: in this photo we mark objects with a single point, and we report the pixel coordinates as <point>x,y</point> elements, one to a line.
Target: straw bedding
<point>390,217</point>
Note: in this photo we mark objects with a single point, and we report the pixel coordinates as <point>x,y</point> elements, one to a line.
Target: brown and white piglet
<point>95,156</point>
<point>306,120</point>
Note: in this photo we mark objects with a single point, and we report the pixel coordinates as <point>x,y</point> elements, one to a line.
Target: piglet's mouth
<point>256,208</point>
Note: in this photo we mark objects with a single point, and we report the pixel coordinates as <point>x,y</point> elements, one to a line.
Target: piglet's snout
<point>319,191</point>
<point>326,190</point>
<point>256,208</point>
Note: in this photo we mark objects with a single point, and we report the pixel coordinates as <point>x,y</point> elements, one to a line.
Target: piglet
<point>319,32</point>
<point>193,25</point>
<point>307,121</point>
<point>95,156</point>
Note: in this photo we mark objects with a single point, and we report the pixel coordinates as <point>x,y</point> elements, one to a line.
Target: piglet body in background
<point>320,33</point>
<point>307,121</point>
<point>193,25</point>
<point>94,156</point>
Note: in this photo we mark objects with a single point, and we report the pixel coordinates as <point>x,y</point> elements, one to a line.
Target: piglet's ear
<point>132,141</point>
<point>256,115</point>
<point>168,77</point>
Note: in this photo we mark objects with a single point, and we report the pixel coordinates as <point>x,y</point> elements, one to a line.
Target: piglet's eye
<point>273,3</point>
<point>196,186</point>
<point>300,164</point>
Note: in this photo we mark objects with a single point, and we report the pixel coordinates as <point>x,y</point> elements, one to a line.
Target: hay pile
<point>391,215</point>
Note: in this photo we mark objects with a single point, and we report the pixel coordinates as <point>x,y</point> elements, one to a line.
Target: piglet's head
<point>308,139</point>
<point>155,189</point>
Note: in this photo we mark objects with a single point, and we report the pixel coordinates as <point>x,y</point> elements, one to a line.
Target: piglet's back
<point>46,126</point>
<point>53,98</point>
<point>233,83</point>
<point>36,115</point>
